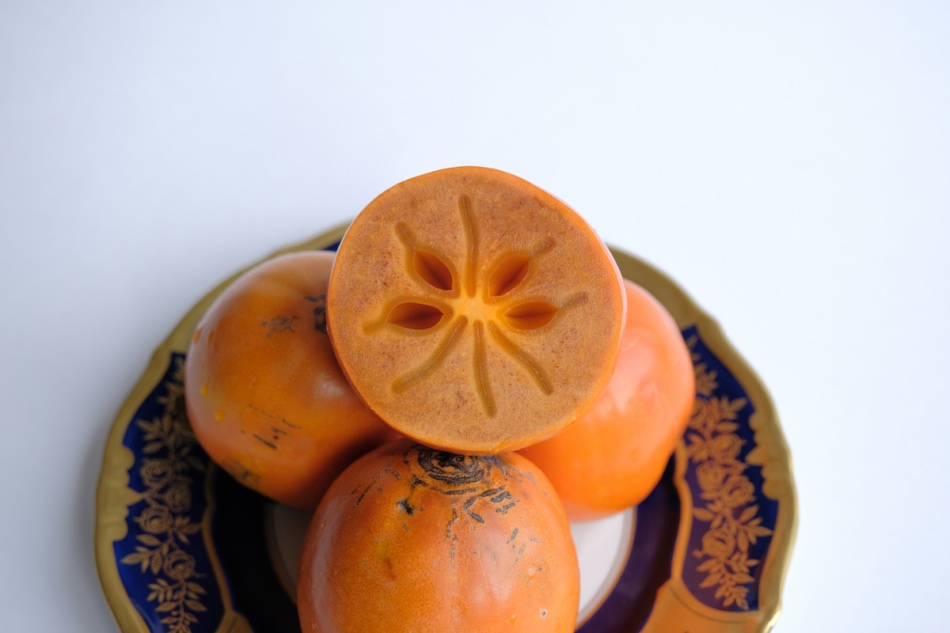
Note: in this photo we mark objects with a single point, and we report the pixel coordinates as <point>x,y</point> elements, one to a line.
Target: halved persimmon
<point>412,539</point>
<point>473,311</point>
<point>264,393</point>
<point>612,457</point>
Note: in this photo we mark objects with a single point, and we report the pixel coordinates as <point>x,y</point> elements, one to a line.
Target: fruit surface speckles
<point>425,540</point>
<point>265,395</point>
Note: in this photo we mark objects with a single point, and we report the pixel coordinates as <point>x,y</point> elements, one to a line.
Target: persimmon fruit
<point>614,455</point>
<point>473,311</point>
<point>264,393</point>
<point>410,538</point>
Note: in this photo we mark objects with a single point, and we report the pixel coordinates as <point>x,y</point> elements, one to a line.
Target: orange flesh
<point>474,312</point>
<point>413,539</point>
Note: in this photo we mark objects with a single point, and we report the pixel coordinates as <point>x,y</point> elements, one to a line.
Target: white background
<point>788,163</point>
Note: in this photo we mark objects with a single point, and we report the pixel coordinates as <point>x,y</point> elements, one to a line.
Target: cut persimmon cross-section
<point>474,312</point>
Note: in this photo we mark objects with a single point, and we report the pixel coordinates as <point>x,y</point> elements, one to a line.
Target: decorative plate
<point>182,548</point>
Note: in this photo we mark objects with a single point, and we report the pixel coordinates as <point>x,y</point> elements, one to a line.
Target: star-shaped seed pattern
<point>453,297</point>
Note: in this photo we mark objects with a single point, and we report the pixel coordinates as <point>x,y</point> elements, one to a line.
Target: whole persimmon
<point>412,539</point>
<point>264,393</point>
<point>473,311</point>
<point>613,456</point>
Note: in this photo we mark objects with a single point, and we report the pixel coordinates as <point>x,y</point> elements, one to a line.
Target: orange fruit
<point>410,538</point>
<point>264,393</point>
<point>473,311</point>
<point>612,457</point>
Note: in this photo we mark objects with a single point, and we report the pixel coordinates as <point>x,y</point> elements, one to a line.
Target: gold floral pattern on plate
<point>714,445</point>
<point>169,467</point>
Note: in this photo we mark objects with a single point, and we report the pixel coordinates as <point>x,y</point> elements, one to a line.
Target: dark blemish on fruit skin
<point>359,499</point>
<point>452,536</point>
<point>453,474</point>
<point>518,555</point>
<point>240,472</point>
<point>455,493</point>
<point>291,424</point>
<point>467,480</point>
<point>319,312</point>
<point>504,495</point>
<point>268,414</point>
<point>279,324</point>
<point>455,469</point>
<point>386,469</point>
<point>451,523</point>
<point>265,442</point>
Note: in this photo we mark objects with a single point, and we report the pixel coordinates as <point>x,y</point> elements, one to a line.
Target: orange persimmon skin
<point>410,539</point>
<point>612,457</point>
<point>265,396</point>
